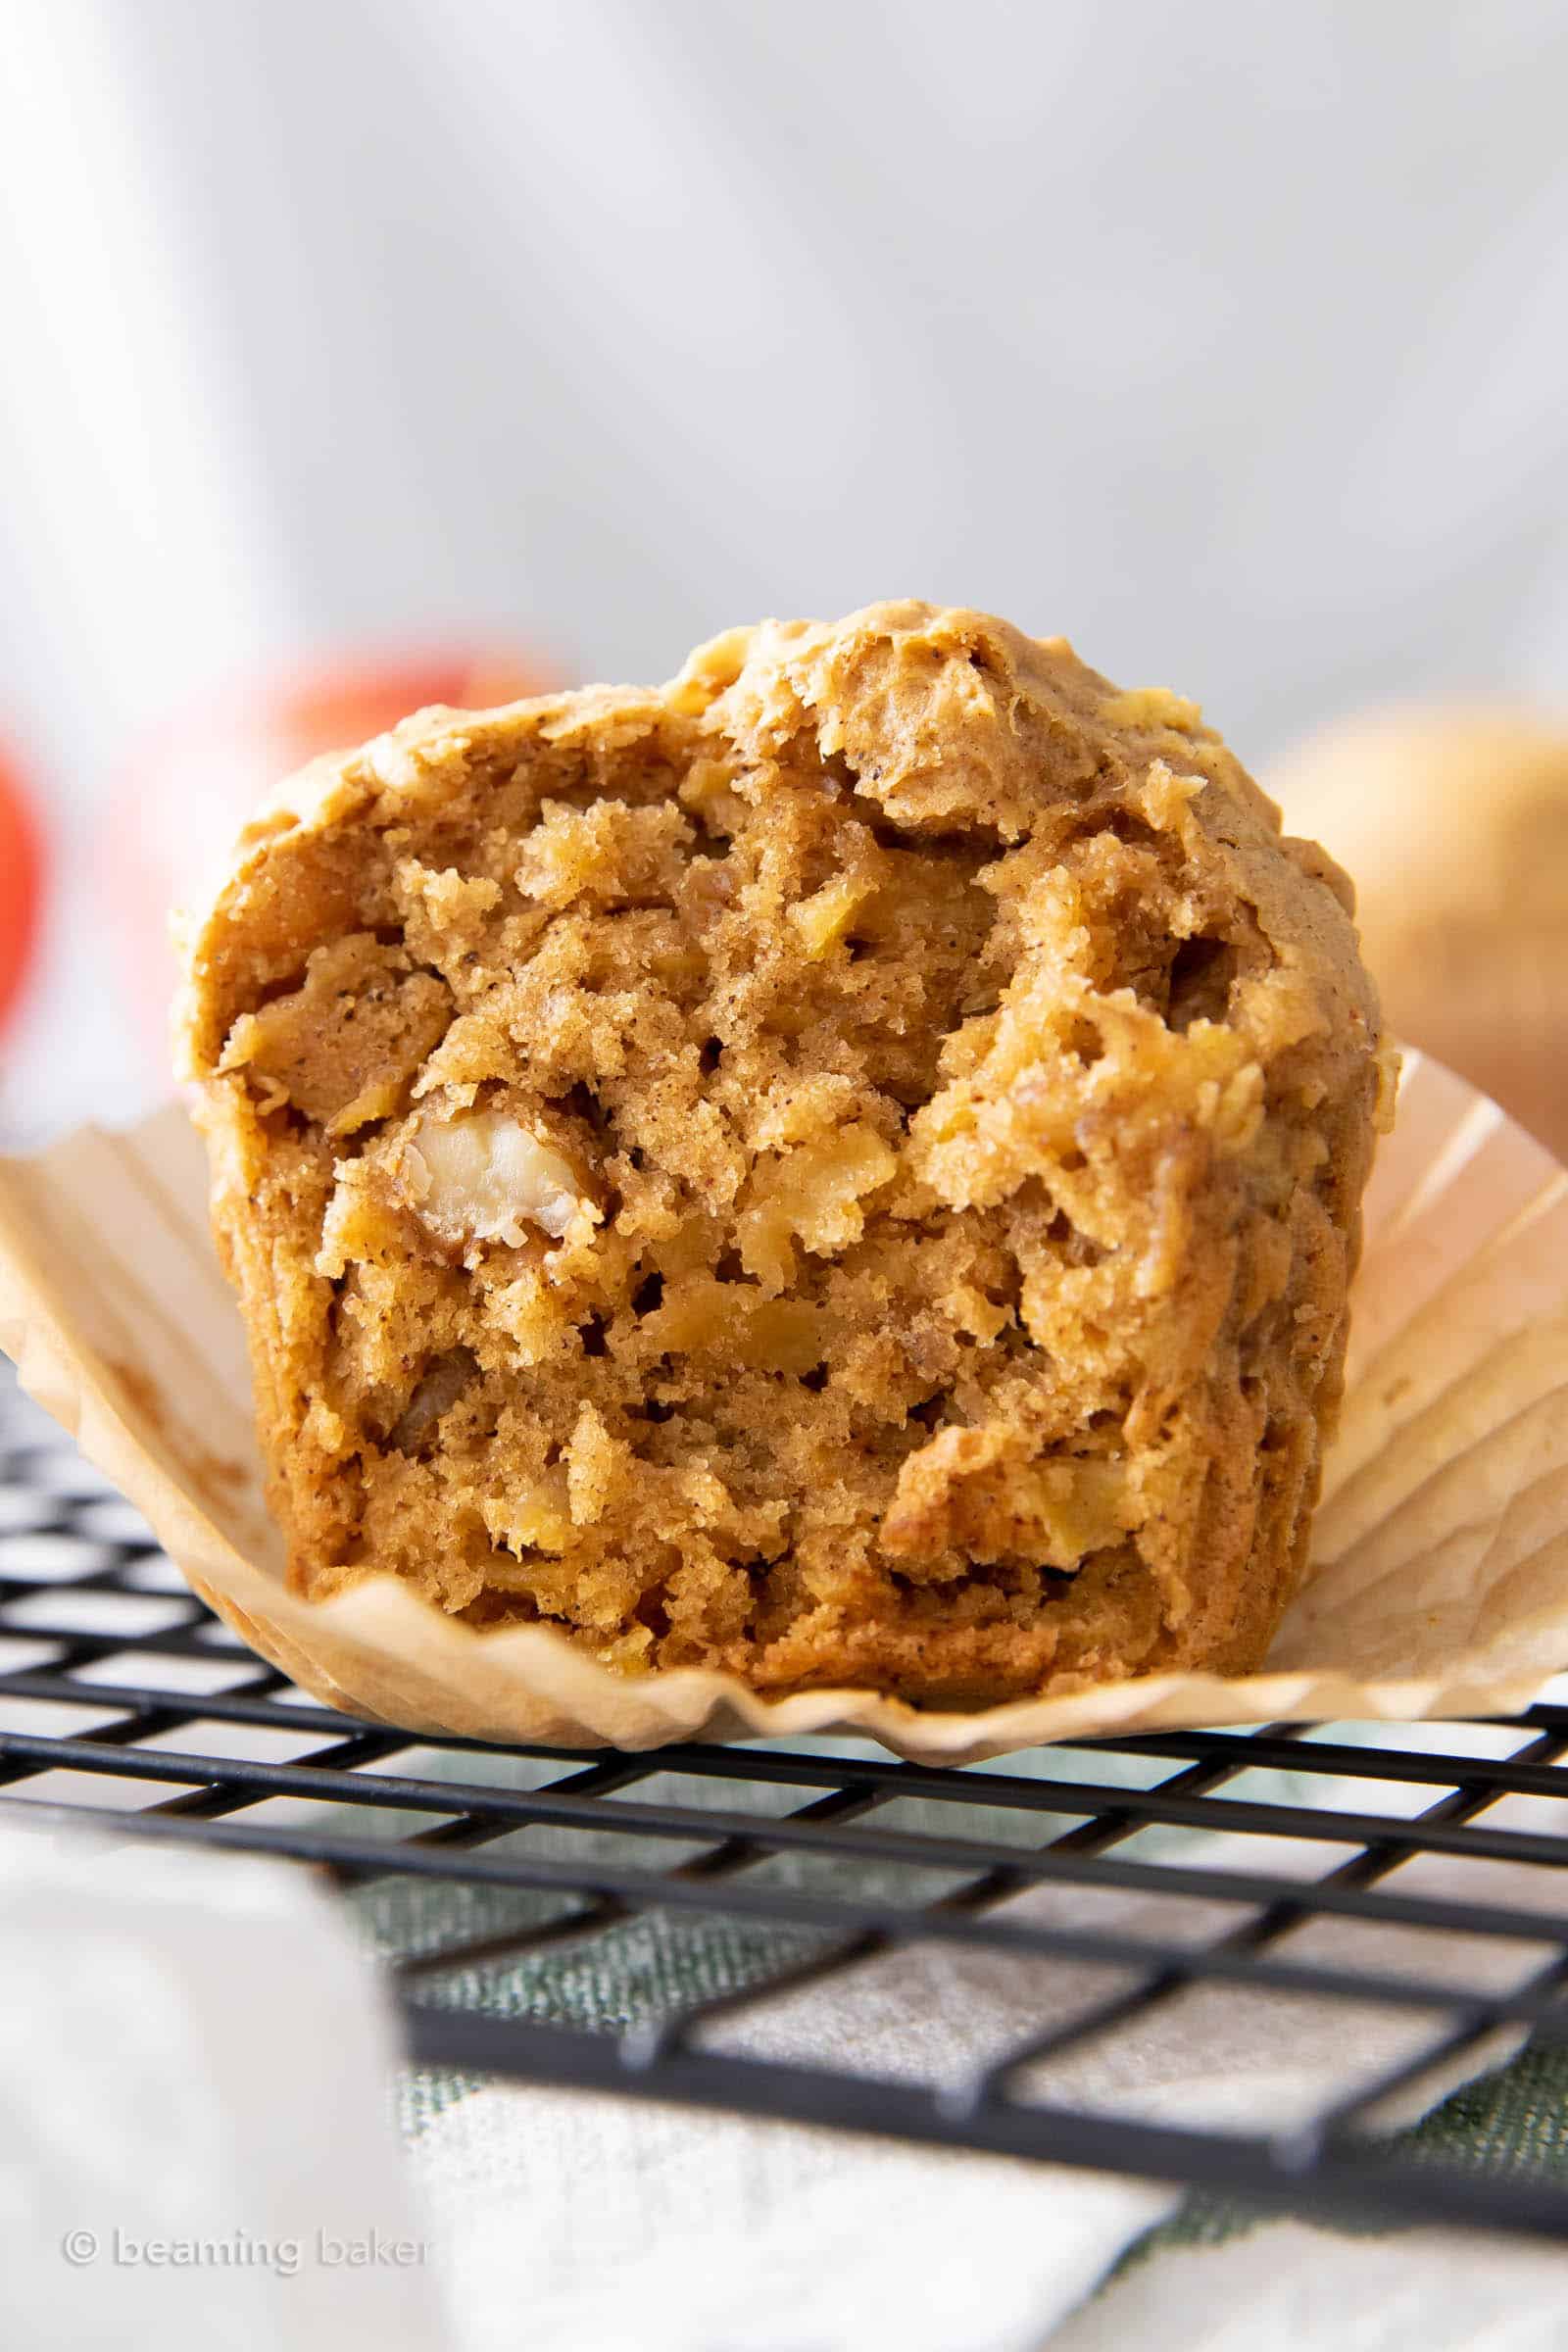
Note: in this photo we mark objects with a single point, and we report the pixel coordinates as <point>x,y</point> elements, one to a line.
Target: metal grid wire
<point>122,1698</point>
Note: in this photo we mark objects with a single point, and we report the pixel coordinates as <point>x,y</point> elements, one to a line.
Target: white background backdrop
<point>1231,340</point>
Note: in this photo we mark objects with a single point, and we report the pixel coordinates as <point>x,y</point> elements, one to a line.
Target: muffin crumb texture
<point>845,1168</point>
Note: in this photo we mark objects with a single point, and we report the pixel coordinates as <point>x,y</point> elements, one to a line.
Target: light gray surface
<point>1230,340</point>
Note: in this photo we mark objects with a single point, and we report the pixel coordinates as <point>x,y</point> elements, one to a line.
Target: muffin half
<point>845,1168</point>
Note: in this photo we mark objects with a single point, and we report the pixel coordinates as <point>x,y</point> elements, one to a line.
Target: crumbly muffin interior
<point>844,1170</point>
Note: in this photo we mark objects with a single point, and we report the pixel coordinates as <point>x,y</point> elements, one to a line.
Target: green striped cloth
<point>657,1965</point>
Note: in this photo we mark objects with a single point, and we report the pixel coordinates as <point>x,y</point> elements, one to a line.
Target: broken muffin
<point>843,1168</point>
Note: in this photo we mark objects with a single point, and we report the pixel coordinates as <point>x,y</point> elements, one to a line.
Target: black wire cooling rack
<point>1409,1876</point>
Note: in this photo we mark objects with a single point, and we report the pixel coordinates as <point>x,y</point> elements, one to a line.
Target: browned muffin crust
<point>845,1168</point>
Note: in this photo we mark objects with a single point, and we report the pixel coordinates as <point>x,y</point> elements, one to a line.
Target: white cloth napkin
<point>1293,2286</point>
<point>195,2153</point>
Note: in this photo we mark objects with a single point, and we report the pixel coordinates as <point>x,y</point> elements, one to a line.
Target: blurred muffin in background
<point>1453,822</point>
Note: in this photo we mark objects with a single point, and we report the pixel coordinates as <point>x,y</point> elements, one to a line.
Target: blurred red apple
<point>194,782</point>
<point>21,884</point>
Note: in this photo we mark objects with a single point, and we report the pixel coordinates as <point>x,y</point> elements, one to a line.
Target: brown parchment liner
<point>1439,1576</point>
